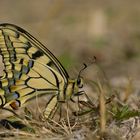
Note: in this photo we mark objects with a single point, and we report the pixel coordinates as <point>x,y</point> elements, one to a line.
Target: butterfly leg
<point>84,101</point>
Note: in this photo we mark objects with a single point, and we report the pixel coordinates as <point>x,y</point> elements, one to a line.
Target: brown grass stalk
<point>102,108</point>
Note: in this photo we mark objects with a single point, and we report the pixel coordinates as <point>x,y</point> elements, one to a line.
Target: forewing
<point>30,69</point>
<point>16,43</point>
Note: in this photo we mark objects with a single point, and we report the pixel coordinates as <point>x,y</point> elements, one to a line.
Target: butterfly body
<point>31,70</point>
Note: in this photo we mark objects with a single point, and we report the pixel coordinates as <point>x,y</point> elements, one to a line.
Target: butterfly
<point>30,69</point>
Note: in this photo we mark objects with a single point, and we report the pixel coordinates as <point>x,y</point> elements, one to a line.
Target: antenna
<point>85,66</point>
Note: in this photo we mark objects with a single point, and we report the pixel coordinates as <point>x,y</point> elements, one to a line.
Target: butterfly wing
<point>16,43</point>
<point>28,67</point>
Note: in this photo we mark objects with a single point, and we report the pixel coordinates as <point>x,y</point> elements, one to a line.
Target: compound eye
<point>80,82</point>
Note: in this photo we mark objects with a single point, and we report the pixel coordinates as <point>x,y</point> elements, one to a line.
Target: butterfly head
<point>79,82</point>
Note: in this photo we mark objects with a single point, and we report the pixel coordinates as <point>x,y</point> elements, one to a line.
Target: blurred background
<point>77,30</point>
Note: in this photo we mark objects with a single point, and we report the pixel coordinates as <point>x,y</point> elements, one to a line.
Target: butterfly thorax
<point>71,89</point>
